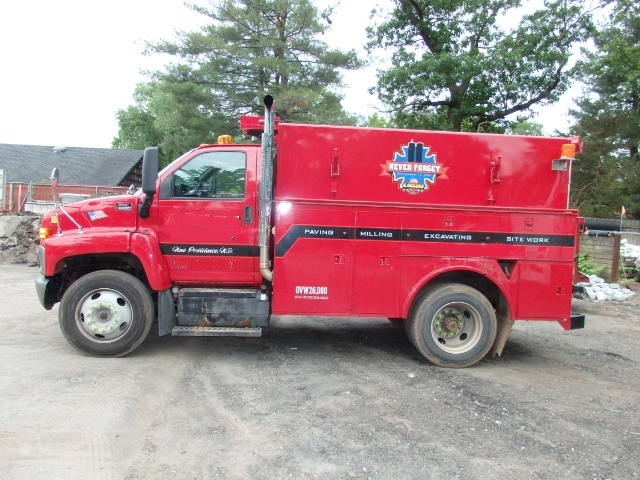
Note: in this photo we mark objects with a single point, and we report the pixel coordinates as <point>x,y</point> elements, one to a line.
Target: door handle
<point>248,215</point>
<point>495,170</point>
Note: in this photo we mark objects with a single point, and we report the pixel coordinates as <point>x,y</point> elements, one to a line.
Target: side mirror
<point>55,176</point>
<point>150,170</point>
<point>149,180</point>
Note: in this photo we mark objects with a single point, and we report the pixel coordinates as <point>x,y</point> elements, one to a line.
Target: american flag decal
<point>97,215</point>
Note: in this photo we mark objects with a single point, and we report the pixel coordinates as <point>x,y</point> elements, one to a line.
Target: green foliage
<point>170,114</point>
<point>608,119</point>
<point>376,121</point>
<point>247,49</point>
<point>589,266</point>
<point>456,68</point>
<point>525,127</point>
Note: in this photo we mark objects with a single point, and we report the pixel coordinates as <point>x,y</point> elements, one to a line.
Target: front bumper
<point>41,289</point>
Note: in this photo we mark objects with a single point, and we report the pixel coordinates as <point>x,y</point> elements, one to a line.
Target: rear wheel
<point>452,325</point>
<point>106,313</point>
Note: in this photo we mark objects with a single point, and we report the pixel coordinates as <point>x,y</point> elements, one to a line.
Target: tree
<point>523,126</point>
<point>247,49</point>
<point>376,120</point>
<point>456,67</point>
<point>608,119</point>
<point>170,113</point>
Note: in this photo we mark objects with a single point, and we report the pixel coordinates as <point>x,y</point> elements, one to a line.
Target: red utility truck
<point>455,234</point>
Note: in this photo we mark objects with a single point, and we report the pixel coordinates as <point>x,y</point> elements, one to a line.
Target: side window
<point>212,175</point>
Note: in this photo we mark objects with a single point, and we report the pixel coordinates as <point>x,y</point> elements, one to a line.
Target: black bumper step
<point>217,331</point>
<point>577,321</point>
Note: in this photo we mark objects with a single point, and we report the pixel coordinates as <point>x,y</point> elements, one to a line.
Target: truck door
<point>207,218</point>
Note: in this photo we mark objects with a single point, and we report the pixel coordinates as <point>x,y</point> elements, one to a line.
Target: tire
<point>452,325</point>
<point>106,313</point>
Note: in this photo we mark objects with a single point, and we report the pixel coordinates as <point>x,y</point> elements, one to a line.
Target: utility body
<point>457,235</point>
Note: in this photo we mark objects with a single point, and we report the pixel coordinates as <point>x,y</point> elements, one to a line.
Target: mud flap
<point>505,324</point>
<point>166,312</point>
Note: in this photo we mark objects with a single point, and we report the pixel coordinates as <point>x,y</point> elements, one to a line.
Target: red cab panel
<point>206,218</point>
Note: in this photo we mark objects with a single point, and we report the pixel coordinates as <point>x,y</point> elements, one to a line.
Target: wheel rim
<point>456,327</point>
<point>104,315</point>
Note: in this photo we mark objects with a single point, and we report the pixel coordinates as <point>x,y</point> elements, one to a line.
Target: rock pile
<point>630,254</point>
<point>597,289</point>
<point>19,239</point>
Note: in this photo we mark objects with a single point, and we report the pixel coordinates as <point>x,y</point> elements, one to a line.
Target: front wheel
<point>106,313</point>
<point>452,325</point>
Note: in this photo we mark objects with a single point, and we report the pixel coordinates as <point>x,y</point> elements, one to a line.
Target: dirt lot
<point>318,399</point>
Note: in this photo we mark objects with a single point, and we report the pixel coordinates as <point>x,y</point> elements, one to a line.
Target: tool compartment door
<point>378,240</point>
<point>313,260</point>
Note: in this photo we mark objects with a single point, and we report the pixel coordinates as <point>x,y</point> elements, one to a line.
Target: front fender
<point>61,247</point>
<point>145,246</point>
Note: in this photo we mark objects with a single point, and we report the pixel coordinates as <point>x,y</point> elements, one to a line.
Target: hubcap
<point>104,315</point>
<point>456,327</point>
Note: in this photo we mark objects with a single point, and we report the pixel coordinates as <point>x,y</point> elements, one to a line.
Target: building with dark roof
<point>77,166</point>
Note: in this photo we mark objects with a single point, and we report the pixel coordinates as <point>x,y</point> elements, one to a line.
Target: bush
<point>589,266</point>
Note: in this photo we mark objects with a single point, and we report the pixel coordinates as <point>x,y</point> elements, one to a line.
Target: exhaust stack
<point>266,187</point>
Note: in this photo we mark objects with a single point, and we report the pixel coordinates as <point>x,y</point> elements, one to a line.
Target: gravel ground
<point>318,399</point>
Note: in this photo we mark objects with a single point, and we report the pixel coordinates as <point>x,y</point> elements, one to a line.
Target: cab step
<point>217,331</point>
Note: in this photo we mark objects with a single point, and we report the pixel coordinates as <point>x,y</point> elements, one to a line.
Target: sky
<point>67,66</point>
